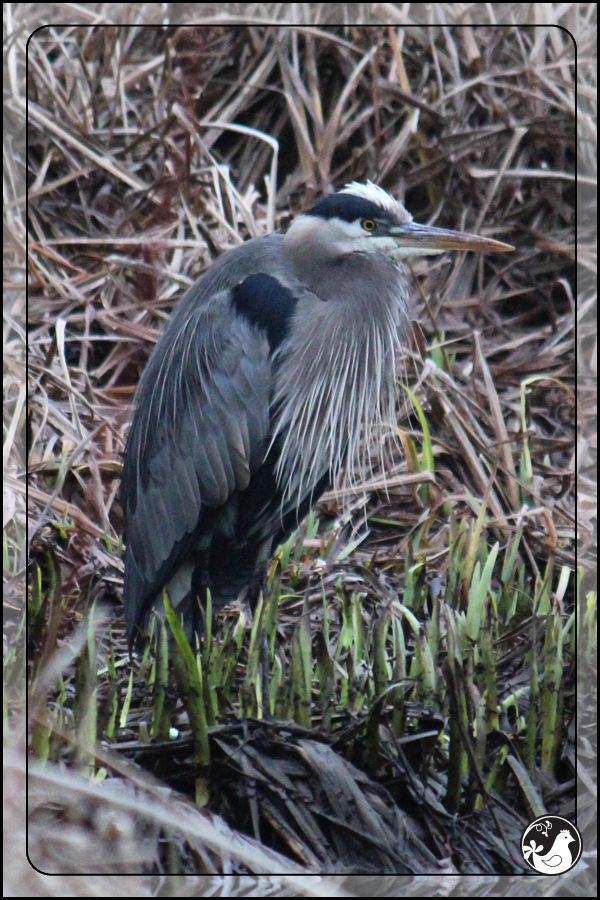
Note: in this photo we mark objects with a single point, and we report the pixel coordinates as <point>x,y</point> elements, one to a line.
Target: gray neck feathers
<point>335,395</point>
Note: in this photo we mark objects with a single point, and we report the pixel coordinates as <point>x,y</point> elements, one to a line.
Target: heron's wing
<point>200,430</point>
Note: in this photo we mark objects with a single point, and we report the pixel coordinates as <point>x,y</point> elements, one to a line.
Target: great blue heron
<point>275,365</point>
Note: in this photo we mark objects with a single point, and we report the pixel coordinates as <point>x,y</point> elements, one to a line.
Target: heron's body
<point>274,366</point>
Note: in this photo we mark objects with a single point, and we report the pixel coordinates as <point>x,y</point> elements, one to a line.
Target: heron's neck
<point>336,382</point>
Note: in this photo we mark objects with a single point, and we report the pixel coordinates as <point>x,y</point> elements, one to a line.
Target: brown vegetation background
<point>152,149</point>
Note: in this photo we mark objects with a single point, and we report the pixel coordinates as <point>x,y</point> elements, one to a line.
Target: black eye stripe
<point>349,208</point>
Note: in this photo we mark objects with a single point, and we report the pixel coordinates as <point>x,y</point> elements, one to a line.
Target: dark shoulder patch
<point>267,304</point>
<point>348,208</point>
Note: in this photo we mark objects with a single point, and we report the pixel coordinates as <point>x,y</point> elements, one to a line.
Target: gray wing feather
<point>200,430</point>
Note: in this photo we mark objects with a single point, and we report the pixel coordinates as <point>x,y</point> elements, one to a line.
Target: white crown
<point>372,192</point>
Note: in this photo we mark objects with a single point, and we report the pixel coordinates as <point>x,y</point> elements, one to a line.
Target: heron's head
<point>363,218</point>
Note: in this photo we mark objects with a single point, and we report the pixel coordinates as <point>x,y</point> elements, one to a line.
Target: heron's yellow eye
<point>369,224</point>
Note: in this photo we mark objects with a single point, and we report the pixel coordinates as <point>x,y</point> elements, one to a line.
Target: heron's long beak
<point>424,239</point>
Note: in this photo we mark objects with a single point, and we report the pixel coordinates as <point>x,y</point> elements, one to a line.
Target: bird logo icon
<point>549,851</point>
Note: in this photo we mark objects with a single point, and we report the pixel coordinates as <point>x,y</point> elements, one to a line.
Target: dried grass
<point>153,150</point>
